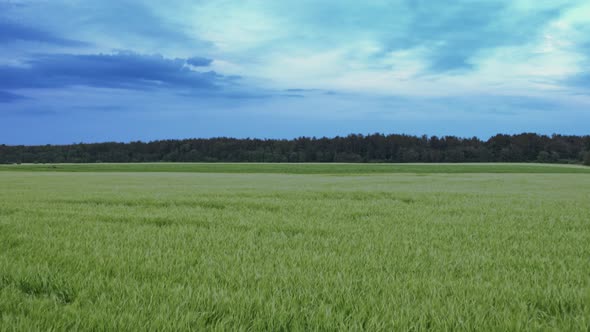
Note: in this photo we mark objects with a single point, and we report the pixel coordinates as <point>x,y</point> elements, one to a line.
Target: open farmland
<point>294,247</point>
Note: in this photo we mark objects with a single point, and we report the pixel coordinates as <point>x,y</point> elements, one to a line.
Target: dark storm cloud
<point>13,32</point>
<point>120,70</point>
<point>8,97</point>
<point>199,62</point>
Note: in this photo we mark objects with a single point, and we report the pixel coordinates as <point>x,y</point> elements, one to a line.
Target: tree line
<point>356,148</point>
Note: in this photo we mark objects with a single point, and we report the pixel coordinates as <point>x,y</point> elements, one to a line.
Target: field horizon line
<point>301,168</point>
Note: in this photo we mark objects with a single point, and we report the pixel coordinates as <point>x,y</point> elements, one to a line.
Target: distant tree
<point>347,158</point>
<point>544,157</point>
<point>587,158</point>
<point>525,147</point>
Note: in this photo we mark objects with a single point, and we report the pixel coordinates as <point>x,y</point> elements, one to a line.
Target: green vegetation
<point>394,148</point>
<point>128,250</point>
<point>305,168</point>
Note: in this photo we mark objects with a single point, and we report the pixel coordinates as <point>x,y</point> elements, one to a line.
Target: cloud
<point>127,19</point>
<point>125,70</point>
<point>378,61</point>
<point>397,46</point>
<point>199,62</point>
<point>12,32</point>
<point>8,97</point>
<point>144,26</point>
<point>455,33</point>
<point>298,90</point>
<point>579,81</point>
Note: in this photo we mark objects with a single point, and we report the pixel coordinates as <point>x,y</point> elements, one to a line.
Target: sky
<point>125,70</point>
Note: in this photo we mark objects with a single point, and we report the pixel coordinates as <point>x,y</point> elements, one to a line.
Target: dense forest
<point>525,147</point>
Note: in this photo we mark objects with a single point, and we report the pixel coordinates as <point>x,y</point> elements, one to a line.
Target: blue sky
<point>122,70</point>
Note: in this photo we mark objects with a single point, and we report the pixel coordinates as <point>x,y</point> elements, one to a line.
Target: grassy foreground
<point>398,251</point>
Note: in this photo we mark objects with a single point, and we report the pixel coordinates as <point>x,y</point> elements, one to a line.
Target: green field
<point>294,247</point>
<point>307,168</point>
